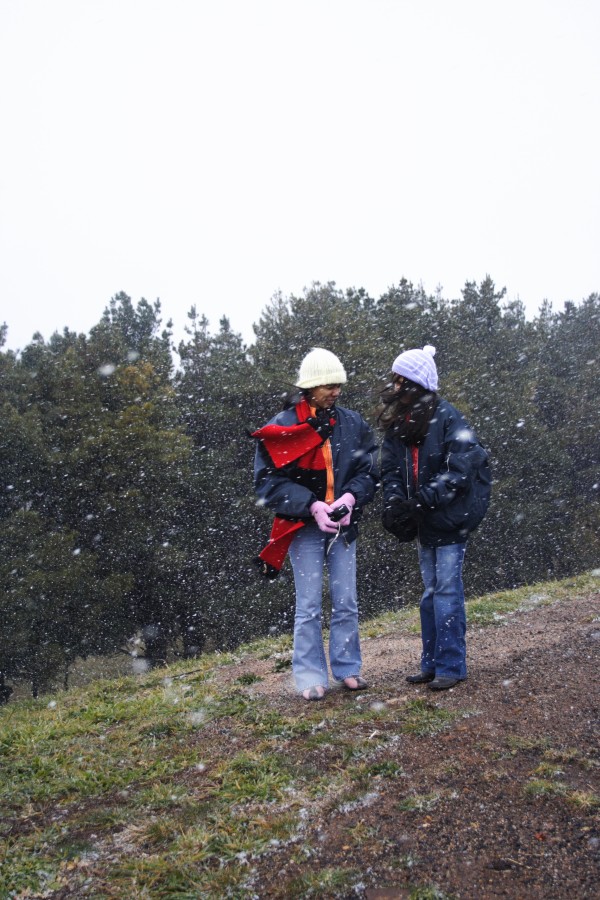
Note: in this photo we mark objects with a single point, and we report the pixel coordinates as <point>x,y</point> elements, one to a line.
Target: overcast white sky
<point>212,152</point>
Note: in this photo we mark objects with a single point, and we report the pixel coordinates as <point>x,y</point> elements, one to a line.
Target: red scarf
<point>285,444</point>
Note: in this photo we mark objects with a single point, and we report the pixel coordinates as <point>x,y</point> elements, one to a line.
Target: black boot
<point>441,683</point>
<point>421,678</point>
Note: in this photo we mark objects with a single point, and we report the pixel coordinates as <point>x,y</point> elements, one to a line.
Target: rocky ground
<point>501,803</point>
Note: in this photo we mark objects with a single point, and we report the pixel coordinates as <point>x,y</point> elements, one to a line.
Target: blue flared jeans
<point>310,552</point>
<point>443,618</point>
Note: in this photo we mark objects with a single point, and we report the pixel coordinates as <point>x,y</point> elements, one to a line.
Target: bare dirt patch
<point>501,802</point>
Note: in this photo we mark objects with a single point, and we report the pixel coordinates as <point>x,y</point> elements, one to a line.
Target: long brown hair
<point>407,411</point>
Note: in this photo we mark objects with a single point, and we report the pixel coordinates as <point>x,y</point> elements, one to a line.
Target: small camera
<point>339,512</point>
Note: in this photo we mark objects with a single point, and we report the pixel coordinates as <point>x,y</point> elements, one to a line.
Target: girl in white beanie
<point>436,484</point>
<point>315,467</point>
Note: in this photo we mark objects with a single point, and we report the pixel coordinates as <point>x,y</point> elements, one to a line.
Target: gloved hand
<point>397,512</point>
<point>411,509</point>
<point>348,500</point>
<point>321,423</point>
<point>320,513</point>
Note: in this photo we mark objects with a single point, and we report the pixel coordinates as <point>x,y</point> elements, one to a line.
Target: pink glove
<point>348,500</point>
<point>320,513</point>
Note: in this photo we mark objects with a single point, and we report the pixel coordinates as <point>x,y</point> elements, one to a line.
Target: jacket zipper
<point>412,473</point>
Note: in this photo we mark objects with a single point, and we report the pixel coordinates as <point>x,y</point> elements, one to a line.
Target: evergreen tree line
<point>126,502</point>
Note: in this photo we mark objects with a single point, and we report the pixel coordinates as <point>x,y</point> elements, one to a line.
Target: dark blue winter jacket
<point>454,481</point>
<point>354,456</point>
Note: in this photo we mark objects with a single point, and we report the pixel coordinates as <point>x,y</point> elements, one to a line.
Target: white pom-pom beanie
<point>418,366</point>
<point>320,367</point>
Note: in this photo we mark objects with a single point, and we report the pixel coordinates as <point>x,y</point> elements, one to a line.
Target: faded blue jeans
<point>311,550</point>
<point>443,618</point>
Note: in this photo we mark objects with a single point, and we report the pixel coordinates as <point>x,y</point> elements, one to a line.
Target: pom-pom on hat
<point>320,367</point>
<point>418,366</point>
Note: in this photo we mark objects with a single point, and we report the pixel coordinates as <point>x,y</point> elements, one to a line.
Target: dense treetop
<point>126,500</point>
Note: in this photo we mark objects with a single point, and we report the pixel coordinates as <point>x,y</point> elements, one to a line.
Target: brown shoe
<point>314,693</point>
<point>361,684</point>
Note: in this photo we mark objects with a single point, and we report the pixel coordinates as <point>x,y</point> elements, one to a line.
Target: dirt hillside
<point>219,781</point>
<point>503,802</point>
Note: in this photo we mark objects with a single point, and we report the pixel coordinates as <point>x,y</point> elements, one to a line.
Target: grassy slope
<point>177,778</point>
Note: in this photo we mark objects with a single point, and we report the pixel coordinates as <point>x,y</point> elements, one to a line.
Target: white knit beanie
<point>418,366</point>
<point>320,367</point>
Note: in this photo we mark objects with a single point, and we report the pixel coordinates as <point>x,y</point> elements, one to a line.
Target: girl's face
<point>324,396</point>
<point>406,389</point>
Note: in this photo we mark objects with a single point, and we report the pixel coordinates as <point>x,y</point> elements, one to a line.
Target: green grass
<point>419,802</point>
<point>519,744</point>
<point>493,609</point>
<point>406,619</point>
<point>550,778</point>
<point>548,788</point>
<point>324,883</point>
<point>171,784</point>
<point>428,892</point>
<point>249,678</point>
<point>425,718</point>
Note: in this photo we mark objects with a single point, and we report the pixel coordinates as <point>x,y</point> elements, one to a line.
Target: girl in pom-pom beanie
<point>436,485</point>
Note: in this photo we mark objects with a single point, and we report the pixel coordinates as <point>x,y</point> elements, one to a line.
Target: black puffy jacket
<point>354,455</point>
<point>454,481</point>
